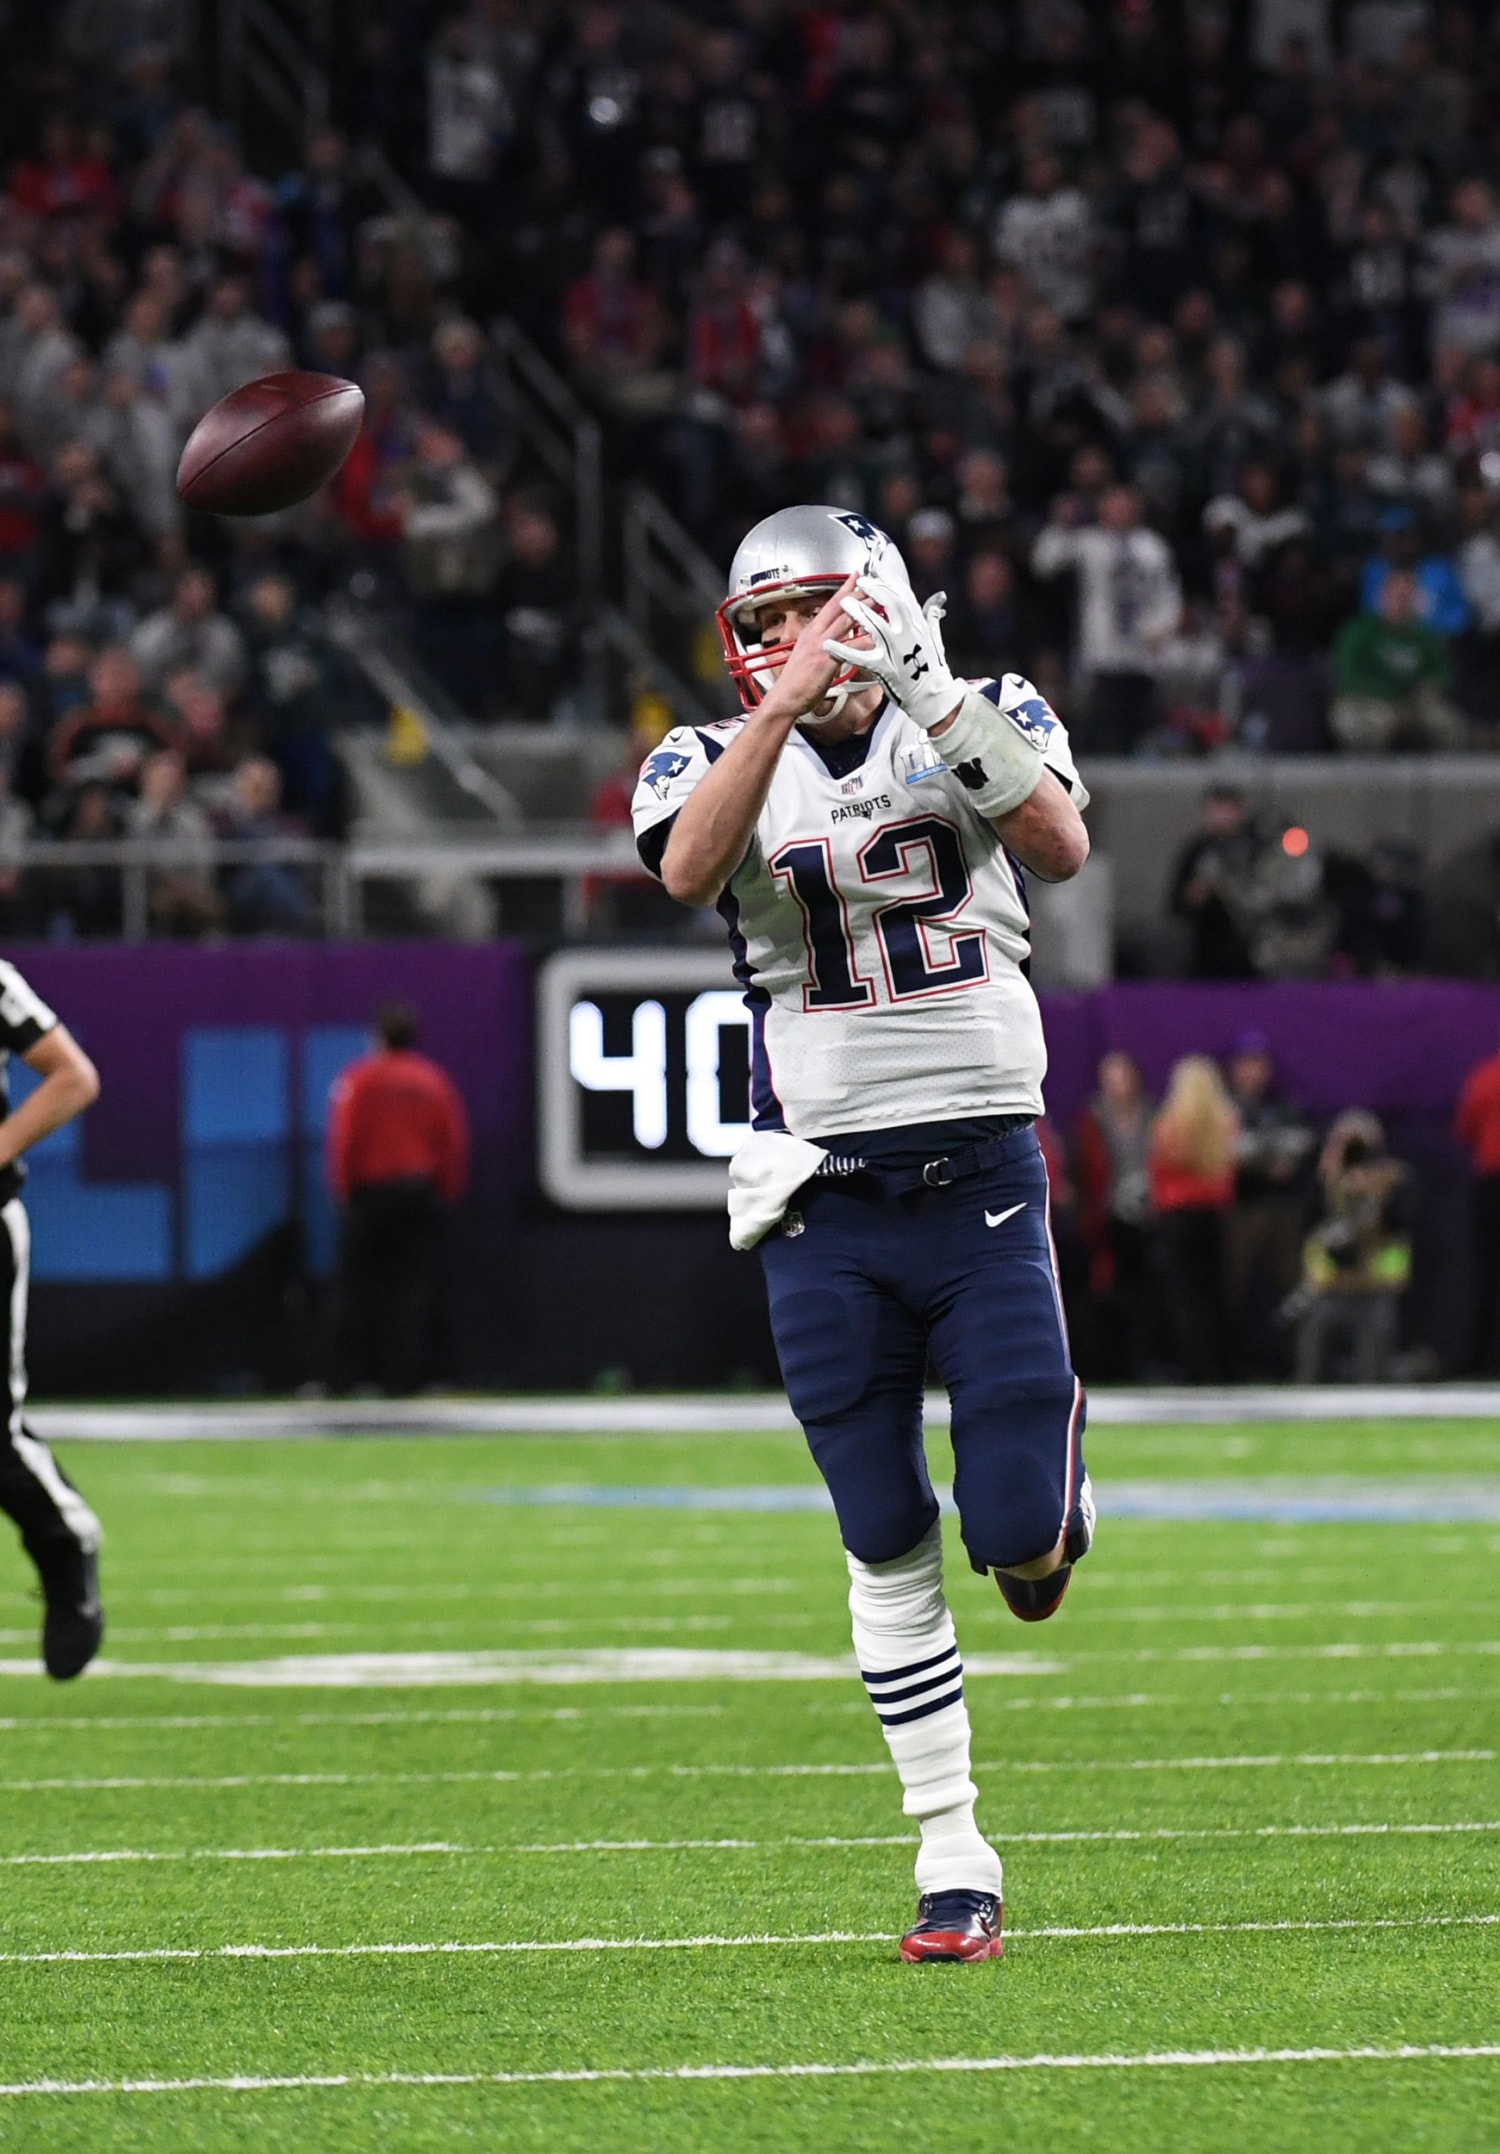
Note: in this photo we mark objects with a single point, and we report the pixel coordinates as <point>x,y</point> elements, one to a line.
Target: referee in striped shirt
<point>58,1530</point>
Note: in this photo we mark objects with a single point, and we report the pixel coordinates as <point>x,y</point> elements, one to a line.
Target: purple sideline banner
<point>164,1254</point>
<point>1401,1048</point>
<point>151,1016</point>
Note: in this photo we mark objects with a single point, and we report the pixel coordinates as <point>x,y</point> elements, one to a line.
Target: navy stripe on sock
<point>916,1690</point>
<point>915,1667</point>
<point>920,1712</point>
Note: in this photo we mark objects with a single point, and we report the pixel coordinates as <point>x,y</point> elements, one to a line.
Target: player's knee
<point>884,1532</point>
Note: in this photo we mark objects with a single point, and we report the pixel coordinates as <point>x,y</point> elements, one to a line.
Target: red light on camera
<point>1294,842</point>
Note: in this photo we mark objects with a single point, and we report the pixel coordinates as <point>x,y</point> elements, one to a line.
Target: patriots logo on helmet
<point>862,527</point>
<point>660,769</point>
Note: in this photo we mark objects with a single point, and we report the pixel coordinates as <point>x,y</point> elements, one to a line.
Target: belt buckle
<point>938,1173</point>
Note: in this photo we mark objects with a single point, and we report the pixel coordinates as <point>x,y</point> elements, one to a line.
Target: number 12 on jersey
<point>928,848</point>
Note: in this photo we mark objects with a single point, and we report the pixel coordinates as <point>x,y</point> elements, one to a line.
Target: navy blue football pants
<point>859,1296</point>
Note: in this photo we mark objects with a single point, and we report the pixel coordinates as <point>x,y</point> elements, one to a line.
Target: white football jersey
<point>879,928</point>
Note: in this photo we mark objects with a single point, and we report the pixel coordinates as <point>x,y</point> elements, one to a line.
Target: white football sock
<point>908,1655</point>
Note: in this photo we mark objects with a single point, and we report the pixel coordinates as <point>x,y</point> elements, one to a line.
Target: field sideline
<point>516,1791</point>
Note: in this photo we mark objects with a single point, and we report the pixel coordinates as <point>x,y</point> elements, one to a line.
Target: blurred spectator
<point>20,654</point>
<point>463,396</point>
<point>1129,601</point>
<point>1357,1260</point>
<point>1193,1140</point>
<point>139,448</point>
<point>535,605</point>
<point>949,309</point>
<point>16,825</point>
<point>1212,885</point>
<point>191,631</point>
<point>181,896</point>
<point>228,346</point>
<point>1114,1186</point>
<point>447,516</point>
<point>1477,1126</point>
<point>104,741</point>
<point>980,628</point>
<point>265,896</point>
<point>1441,604</point>
<point>1382,910</point>
<point>1046,232</point>
<point>300,690</point>
<point>614,331</point>
<point>1274,1145</point>
<point>22,484</point>
<point>201,730</point>
<point>1391,673</point>
<point>85,901</point>
<point>90,548</point>
<point>398,1155</point>
<point>1463,273</point>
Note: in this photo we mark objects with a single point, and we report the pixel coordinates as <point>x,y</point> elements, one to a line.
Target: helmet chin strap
<point>837,697</point>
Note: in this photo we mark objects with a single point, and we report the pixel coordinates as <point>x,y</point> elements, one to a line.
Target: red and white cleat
<point>955,1926</point>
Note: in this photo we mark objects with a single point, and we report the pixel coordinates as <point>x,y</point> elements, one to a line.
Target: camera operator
<point>1356,1263</point>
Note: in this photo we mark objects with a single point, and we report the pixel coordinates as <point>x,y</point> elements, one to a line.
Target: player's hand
<point>904,651</point>
<point>809,672</point>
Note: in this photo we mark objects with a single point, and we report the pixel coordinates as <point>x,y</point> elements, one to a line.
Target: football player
<point>863,830</point>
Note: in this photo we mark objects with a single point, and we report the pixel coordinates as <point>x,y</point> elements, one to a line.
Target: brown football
<point>270,444</point>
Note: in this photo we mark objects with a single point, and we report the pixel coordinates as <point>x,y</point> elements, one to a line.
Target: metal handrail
<point>664,563</point>
<point>573,858</point>
<point>359,635</point>
<point>571,442</point>
<point>257,48</point>
<point>620,634</point>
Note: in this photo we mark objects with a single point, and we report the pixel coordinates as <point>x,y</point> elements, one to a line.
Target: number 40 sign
<point>642,1078</point>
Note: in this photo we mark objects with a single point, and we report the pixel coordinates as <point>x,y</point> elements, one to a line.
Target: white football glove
<point>906,652</point>
<point>998,765</point>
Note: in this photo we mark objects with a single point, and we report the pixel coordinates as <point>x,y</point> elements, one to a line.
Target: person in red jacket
<point>1477,1124</point>
<point>1191,1171</point>
<point>398,1155</point>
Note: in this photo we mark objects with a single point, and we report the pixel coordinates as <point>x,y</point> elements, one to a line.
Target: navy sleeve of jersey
<point>24,1017</point>
<point>652,843</point>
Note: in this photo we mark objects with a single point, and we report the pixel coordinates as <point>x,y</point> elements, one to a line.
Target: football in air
<point>270,444</point>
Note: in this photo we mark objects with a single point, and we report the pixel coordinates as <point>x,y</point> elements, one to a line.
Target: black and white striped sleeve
<point>24,1017</point>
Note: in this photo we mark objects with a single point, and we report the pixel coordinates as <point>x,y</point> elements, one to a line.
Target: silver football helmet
<point>797,553</point>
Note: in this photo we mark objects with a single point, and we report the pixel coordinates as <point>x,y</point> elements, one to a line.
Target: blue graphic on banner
<point>254,1110</point>
<point>326,1050</point>
<point>89,1230</point>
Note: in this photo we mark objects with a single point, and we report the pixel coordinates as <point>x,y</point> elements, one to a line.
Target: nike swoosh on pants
<point>998,1219</point>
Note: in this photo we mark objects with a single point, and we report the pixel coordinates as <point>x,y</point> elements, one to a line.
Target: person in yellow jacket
<point>1356,1263</point>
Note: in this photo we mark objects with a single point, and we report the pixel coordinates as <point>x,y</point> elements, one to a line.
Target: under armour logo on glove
<point>915,664</point>
<point>971,774</point>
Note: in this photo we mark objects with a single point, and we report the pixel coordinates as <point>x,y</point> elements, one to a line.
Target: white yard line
<point>483,1715</point>
<point>677,1664</point>
<point>859,1769</point>
<point>421,1848</point>
<point>1147,2060</point>
<point>489,1949</point>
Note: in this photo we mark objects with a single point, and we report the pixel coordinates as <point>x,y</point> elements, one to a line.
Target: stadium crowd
<point>1166,337</point>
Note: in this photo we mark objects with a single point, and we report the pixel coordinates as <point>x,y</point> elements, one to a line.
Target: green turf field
<point>1245,1787</point>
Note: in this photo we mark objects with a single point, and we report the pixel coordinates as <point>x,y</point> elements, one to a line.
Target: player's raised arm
<point>986,738</point>
<point>715,824</point>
